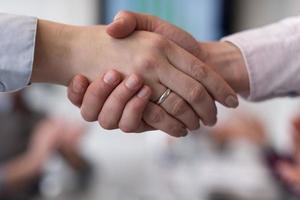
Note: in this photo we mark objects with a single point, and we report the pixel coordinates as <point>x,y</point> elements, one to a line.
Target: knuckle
<point>221,90</point>
<point>119,96</point>
<point>158,42</point>
<point>179,107</point>
<point>156,115</point>
<point>199,71</point>
<point>146,63</point>
<point>154,18</point>
<point>197,94</point>
<point>136,107</point>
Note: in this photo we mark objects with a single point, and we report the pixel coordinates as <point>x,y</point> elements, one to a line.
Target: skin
<point>290,172</point>
<point>48,136</point>
<point>221,57</point>
<point>62,51</point>
<point>241,126</point>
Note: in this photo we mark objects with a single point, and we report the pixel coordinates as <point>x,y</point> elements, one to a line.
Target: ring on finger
<point>164,96</point>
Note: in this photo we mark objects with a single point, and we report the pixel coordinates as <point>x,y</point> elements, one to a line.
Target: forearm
<point>228,61</point>
<point>20,170</point>
<point>52,53</point>
<point>60,52</point>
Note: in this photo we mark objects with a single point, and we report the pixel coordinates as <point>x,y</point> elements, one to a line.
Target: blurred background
<point>48,152</point>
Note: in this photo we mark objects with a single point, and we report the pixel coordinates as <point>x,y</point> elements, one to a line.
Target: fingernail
<point>184,132</point>
<point>77,87</point>
<point>144,93</point>
<point>110,78</point>
<point>132,82</point>
<point>232,101</point>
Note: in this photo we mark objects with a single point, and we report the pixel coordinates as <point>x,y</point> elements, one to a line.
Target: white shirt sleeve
<point>17,42</point>
<point>272,56</point>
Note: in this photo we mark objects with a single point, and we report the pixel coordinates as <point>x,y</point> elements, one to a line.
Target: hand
<point>60,54</point>
<point>128,111</point>
<point>241,126</point>
<point>133,110</point>
<point>223,57</point>
<point>45,139</point>
<point>290,173</point>
<point>296,137</point>
<point>90,114</point>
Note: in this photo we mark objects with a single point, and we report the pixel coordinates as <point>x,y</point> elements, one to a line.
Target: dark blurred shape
<point>27,139</point>
<point>223,195</point>
<point>283,167</point>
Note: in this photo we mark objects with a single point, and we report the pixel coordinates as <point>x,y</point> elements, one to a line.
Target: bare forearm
<point>51,53</point>
<point>57,52</point>
<point>20,170</point>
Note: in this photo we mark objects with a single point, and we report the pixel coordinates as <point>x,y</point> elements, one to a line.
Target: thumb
<point>124,24</point>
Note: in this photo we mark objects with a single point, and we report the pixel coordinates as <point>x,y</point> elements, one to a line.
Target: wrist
<point>87,49</point>
<point>227,60</point>
<point>52,58</point>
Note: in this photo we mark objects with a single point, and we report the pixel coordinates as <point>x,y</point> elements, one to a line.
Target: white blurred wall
<point>67,11</point>
<point>254,13</point>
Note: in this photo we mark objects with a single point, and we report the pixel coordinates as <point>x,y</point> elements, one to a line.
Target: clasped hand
<point>136,69</point>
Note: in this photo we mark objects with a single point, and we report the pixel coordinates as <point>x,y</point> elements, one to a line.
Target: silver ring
<point>164,96</point>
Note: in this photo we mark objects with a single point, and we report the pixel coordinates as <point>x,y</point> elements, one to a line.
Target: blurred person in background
<point>284,167</point>
<point>288,171</point>
<point>28,140</point>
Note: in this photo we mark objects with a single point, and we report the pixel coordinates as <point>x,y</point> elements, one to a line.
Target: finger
<point>97,93</point>
<point>190,90</point>
<point>142,128</point>
<point>131,120</point>
<point>178,108</point>
<point>189,64</point>
<point>77,89</point>
<point>125,23</point>
<point>112,110</point>
<point>159,119</point>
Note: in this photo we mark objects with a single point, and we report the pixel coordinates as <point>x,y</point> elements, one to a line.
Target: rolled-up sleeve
<point>17,42</point>
<point>272,57</point>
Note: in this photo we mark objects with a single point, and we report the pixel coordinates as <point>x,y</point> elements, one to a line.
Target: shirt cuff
<point>17,35</point>
<point>270,54</point>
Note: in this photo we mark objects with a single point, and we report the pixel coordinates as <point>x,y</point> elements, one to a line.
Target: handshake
<point>140,73</point>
